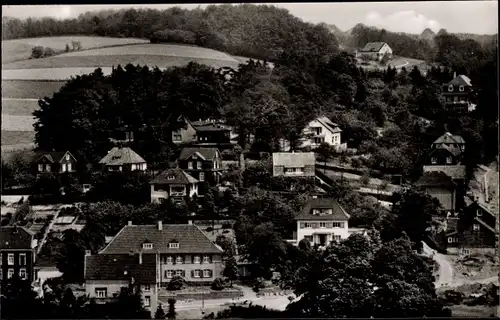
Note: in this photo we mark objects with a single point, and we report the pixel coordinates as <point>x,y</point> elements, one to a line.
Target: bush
<point>177,283</point>
<point>258,284</point>
<point>365,179</point>
<point>209,229</point>
<point>218,284</point>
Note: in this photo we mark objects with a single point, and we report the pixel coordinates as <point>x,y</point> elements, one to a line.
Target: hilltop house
<point>173,183</point>
<point>55,162</point>
<point>322,130</point>
<point>203,164</point>
<point>446,156</point>
<point>472,231</point>
<point>459,94</point>
<point>149,256</point>
<point>292,164</point>
<point>374,51</point>
<point>17,253</point>
<point>123,159</point>
<point>440,186</point>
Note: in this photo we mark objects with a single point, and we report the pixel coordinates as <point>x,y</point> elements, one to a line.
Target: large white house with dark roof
<point>375,50</point>
<point>149,256</point>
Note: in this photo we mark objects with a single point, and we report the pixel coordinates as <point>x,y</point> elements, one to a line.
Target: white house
<point>322,130</point>
<point>321,221</point>
<point>294,164</point>
<point>374,51</point>
<point>174,183</point>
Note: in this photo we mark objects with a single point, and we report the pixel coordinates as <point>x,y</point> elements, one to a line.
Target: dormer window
<point>173,245</point>
<point>147,245</point>
<point>461,88</point>
<point>194,157</point>
<point>322,212</point>
<point>171,177</point>
<point>433,160</point>
<point>450,88</point>
<point>67,157</point>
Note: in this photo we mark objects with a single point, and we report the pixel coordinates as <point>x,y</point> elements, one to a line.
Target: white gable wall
<point>326,135</point>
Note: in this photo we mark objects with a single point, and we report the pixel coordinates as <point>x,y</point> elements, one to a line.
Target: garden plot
<point>476,267</point>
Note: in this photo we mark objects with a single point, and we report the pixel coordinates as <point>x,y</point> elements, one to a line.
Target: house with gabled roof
<point>55,162</point>
<point>17,253</point>
<point>375,51</point>
<point>440,186</point>
<point>123,159</point>
<point>459,94</point>
<point>203,164</point>
<point>294,164</point>
<point>321,221</point>
<point>204,133</point>
<point>322,130</point>
<point>446,156</point>
<point>173,183</point>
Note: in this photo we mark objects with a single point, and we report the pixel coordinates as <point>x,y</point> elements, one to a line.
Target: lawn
<point>20,49</point>
<point>21,89</point>
<point>19,107</point>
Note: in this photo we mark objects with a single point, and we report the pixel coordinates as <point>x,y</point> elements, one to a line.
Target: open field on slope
<point>49,74</point>
<point>17,123</point>
<point>17,139</point>
<point>398,63</point>
<point>23,89</point>
<point>19,107</point>
<point>20,49</point>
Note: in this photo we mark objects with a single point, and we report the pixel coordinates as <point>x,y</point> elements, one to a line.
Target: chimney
<point>454,74</point>
<point>88,253</point>
<point>160,225</point>
<point>190,221</point>
<point>140,257</point>
<point>130,223</point>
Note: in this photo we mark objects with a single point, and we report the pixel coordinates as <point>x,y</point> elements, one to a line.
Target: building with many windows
<point>17,253</point>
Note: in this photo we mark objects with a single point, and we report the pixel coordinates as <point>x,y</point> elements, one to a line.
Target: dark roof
<point>206,122</point>
<point>210,126</point>
<point>454,151</point>
<point>456,172</point>
<point>449,138</point>
<point>121,267</point>
<point>338,213</point>
<point>191,239</point>
<point>14,237</point>
<point>373,47</point>
<point>333,127</point>
<point>204,153</point>
<point>54,156</point>
<point>461,80</point>
<point>179,177</point>
<point>435,179</point>
<point>120,156</point>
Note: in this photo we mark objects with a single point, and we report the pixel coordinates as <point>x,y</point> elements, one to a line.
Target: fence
<point>205,295</point>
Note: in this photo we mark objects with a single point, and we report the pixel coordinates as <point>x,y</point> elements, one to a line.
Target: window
<point>169,274</point>
<point>190,165</point>
<point>177,136</point>
<point>466,251</point>
<point>307,225</point>
<point>147,287</point>
<point>147,301</point>
<point>169,260</point>
<point>69,167</point>
<point>22,259</point>
<point>47,167</point>
<point>450,88</point>
<point>318,140</point>
<point>196,259</point>
<point>322,224</point>
<point>479,213</point>
<point>10,259</point>
<point>40,167</point>
<point>22,273</point>
<point>196,273</point>
<point>10,273</point>
<point>101,292</point>
<point>336,237</point>
<point>147,246</point>
<point>179,260</point>
<point>433,160</point>
<point>448,160</point>
<point>173,245</point>
<point>171,177</point>
<point>450,240</point>
<point>134,167</point>
<point>461,88</point>
<point>198,164</point>
<point>318,130</point>
<point>202,176</point>
<point>206,274</point>
<point>206,259</point>
<point>179,273</point>
<point>475,227</point>
<point>338,224</point>
<point>67,157</point>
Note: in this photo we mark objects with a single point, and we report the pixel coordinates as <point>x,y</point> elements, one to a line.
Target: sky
<point>480,17</point>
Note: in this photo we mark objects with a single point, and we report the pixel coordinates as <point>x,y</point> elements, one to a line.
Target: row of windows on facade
<point>182,260</point>
<point>321,140</point>
<point>460,88</point>
<point>133,167</point>
<point>321,225</point>
<point>199,165</point>
<point>207,273</point>
<point>455,99</point>
<point>10,273</point>
<point>294,170</point>
<point>336,237</point>
<point>448,160</point>
<point>10,259</point>
<point>64,167</point>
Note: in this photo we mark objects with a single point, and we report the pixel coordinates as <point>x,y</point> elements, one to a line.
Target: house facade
<point>446,156</point>
<point>374,51</point>
<point>321,221</point>
<point>56,162</point>
<point>17,253</point>
<point>294,164</point>
<point>204,133</point>
<point>123,159</point>
<point>440,186</point>
<point>459,94</point>
<point>322,130</point>
<point>203,164</point>
<point>184,135</point>
<point>173,183</point>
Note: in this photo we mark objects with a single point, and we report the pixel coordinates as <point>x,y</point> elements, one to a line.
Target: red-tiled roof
<point>190,238</point>
<point>121,267</point>
<point>173,176</point>
<point>338,213</point>
<point>14,237</point>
